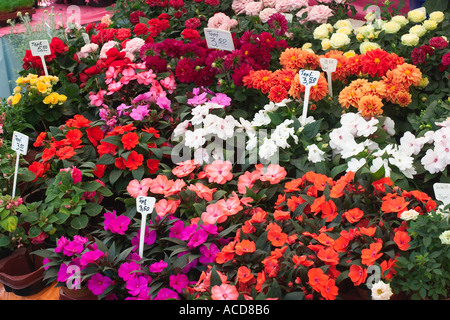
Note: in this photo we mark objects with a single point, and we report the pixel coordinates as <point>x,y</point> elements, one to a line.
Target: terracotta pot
<point>81,294</point>
<point>21,274</point>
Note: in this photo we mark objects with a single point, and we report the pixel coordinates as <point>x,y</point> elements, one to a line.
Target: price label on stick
<point>41,48</point>
<point>308,78</point>
<point>219,39</point>
<point>329,65</point>
<point>20,146</point>
<point>144,205</point>
<point>442,192</point>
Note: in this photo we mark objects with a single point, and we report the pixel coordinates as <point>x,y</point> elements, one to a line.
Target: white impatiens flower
<point>339,137</point>
<point>261,119</point>
<point>267,149</point>
<point>381,291</point>
<point>379,162</point>
<point>351,148</point>
<point>388,126</point>
<point>432,162</point>
<point>195,139</point>
<point>199,113</point>
<point>354,164</point>
<point>315,154</point>
<point>409,215</point>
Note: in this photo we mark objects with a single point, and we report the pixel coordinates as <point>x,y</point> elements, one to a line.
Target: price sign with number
<point>41,48</point>
<point>308,78</point>
<point>219,39</point>
<point>144,205</point>
<point>329,65</point>
<point>20,145</point>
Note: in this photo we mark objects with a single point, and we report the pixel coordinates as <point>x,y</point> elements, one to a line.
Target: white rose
<point>339,40</point>
<point>437,16</point>
<point>430,24</point>
<point>417,15</point>
<point>322,32</point>
<point>418,29</point>
<point>410,39</point>
<point>445,237</point>
<point>391,27</point>
<point>381,291</point>
<point>401,20</point>
<point>409,215</point>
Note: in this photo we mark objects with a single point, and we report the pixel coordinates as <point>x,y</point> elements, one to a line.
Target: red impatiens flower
<point>66,152</point>
<point>370,255</point>
<point>134,160</point>
<point>130,140</point>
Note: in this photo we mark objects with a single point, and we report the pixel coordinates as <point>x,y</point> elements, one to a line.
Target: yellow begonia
<point>15,99</point>
<point>62,98</point>
<point>41,87</point>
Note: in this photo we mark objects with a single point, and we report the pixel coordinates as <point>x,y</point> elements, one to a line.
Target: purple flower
<point>98,283</point>
<point>127,270</point>
<point>157,266</point>
<point>121,109</point>
<point>178,282</point>
<point>137,285</point>
<point>91,257</point>
<point>165,294</point>
<point>208,254</point>
<point>198,238</point>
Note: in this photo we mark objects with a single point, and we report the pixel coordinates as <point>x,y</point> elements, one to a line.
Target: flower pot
<point>21,274</point>
<point>81,294</point>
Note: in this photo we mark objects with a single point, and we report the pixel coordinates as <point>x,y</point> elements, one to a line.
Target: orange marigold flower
<point>260,79</point>
<point>403,98</point>
<point>348,98</point>
<point>284,77</point>
<point>277,93</point>
<point>370,255</point>
<point>370,106</point>
<point>357,274</point>
<point>296,87</point>
<point>375,62</point>
<point>293,58</point>
<point>320,90</point>
<point>407,74</point>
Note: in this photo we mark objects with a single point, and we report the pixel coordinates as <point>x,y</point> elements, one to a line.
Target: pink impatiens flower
<point>98,283</point>
<point>116,224</point>
<point>97,98</point>
<point>219,171</point>
<point>224,292</point>
<point>136,188</point>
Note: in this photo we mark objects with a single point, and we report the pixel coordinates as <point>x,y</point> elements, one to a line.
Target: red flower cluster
<point>57,48</point>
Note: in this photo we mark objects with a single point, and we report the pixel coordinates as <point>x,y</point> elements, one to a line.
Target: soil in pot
<point>20,274</point>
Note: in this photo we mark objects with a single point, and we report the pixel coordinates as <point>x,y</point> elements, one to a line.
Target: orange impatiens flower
<point>393,204</point>
<point>325,239</point>
<point>328,256</point>
<point>370,255</point>
<point>302,260</point>
<point>330,291</point>
<point>245,274</point>
<point>66,152</point>
<point>357,274</point>
<point>317,279</point>
<point>245,246</point>
<point>402,240</point>
<point>134,160</point>
<point>78,121</point>
<point>353,215</point>
<point>202,191</point>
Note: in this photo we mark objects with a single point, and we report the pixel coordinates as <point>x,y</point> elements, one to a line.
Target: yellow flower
<point>54,96</point>
<point>15,99</point>
<point>367,45</point>
<point>437,16</point>
<point>326,44</point>
<point>62,98</point>
<point>417,15</point>
<point>430,24</point>
<point>350,53</point>
<point>19,80</point>
<point>423,82</point>
<point>410,39</point>
<point>418,29</point>
<point>339,40</point>
<point>17,89</point>
<point>401,20</point>
<point>42,87</point>
<point>47,99</point>
<point>391,27</point>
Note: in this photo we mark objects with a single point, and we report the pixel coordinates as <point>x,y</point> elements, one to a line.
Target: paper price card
<point>19,143</point>
<point>41,48</point>
<point>308,78</point>
<point>144,205</point>
<point>329,65</point>
<point>442,192</point>
<point>219,39</point>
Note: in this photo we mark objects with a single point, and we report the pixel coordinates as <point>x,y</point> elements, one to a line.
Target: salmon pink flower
<point>183,169</point>
<point>219,171</point>
<point>202,191</point>
<point>213,213</point>
<point>224,292</point>
<point>164,207</point>
<point>274,174</point>
<point>136,188</point>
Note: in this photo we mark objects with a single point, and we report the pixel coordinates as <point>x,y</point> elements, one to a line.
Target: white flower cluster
<point>437,158</point>
<point>334,36</point>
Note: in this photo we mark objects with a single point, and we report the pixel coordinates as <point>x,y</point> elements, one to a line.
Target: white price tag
<point>308,78</point>
<point>86,38</point>
<point>40,48</point>
<point>144,205</point>
<point>219,39</point>
<point>329,65</point>
<point>442,192</point>
<point>19,143</point>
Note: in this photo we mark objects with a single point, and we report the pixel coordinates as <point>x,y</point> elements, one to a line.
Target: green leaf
<point>114,175</point>
<point>215,278</point>
<point>9,224</point>
<point>79,222</point>
<point>93,209</point>
<point>34,231</point>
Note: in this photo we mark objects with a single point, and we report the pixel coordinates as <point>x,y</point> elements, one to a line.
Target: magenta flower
<point>91,257</point>
<point>198,238</point>
<point>149,238</point>
<point>197,99</point>
<point>140,112</point>
<point>176,231</point>
<point>76,174</point>
<point>165,294</point>
<point>60,244</point>
<point>98,283</point>
<point>278,23</point>
<point>164,103</point>
<point>188,232</point>
<point>221,99</point>
<point>128,270</point>
<point>157,266</point>
<point>178,282</point>
<point>73,247</point>
<point>208,254</point>
<point>116,224</point>
<point>137,285</point>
